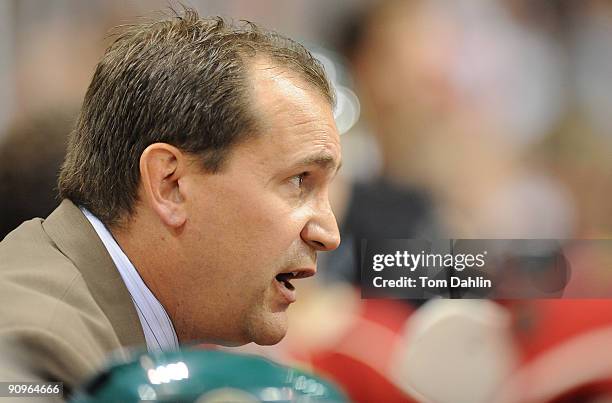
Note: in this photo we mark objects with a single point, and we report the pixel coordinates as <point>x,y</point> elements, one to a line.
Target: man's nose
<point>321,231</point>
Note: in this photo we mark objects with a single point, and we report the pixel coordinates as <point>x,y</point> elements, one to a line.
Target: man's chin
<point>269,340</point>
<point>271,330</point>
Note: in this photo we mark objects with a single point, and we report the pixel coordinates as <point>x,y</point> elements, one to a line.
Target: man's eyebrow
<point>324,160</point>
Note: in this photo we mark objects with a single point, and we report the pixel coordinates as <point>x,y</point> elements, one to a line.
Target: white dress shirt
<point>158,330</point>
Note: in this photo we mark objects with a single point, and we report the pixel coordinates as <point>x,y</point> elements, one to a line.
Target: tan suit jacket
<point>63,304</point>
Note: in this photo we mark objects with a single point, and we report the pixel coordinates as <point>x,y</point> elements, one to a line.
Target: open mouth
<point>284,278</point>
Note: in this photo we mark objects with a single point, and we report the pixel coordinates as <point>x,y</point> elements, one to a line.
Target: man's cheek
<point>270,222</point>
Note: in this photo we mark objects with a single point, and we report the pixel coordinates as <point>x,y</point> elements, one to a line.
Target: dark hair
<point>182,81</point>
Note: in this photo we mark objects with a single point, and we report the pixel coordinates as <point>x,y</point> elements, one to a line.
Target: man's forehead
<point>272,84</point>
<point>293,113</point>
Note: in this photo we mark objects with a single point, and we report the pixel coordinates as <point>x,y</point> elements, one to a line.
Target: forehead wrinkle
<point>311,125</point>
<point>296,112</point>
<point>324,159</point>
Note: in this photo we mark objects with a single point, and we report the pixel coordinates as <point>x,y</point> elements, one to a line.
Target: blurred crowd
<point>472,119</point>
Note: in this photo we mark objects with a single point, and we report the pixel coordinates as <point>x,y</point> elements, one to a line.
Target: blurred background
<point>462,119</point>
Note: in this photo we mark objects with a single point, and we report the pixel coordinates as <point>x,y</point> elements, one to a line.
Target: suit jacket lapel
<point>77,239</point>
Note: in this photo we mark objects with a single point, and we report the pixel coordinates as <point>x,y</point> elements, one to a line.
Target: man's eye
<point>298,180</point>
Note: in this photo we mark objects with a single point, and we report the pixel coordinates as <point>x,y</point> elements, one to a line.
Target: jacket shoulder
<point>44,298</point>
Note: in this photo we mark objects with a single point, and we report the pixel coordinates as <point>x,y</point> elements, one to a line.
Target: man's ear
<point>161,167</point>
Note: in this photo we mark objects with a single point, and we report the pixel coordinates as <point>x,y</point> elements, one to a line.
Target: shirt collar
<point>157,327</point>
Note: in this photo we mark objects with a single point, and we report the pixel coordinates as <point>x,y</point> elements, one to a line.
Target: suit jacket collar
<point>76,238</point>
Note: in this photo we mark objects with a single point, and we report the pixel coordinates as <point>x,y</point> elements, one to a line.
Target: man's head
<point>208,150</point>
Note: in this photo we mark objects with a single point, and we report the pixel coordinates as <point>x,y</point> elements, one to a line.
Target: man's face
<point>265,214</point>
